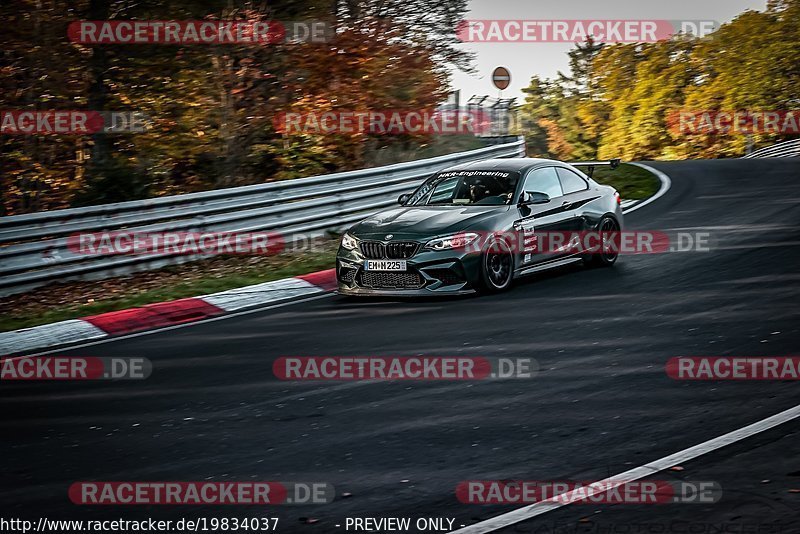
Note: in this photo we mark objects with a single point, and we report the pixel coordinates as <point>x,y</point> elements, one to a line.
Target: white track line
<point>685,455</point>
<point>666,183</point>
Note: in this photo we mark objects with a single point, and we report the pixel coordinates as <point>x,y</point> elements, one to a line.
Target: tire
<point>497,266</point>
<point>607,256</point>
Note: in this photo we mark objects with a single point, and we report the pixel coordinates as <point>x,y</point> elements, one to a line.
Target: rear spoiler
<point>613,163</point>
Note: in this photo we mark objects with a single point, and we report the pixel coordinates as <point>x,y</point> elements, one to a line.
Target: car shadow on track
<point>541,278</point>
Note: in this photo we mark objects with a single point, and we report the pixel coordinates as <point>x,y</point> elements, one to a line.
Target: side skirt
<point>548,265</point>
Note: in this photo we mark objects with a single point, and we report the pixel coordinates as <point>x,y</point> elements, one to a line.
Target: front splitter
<point>364,292</point>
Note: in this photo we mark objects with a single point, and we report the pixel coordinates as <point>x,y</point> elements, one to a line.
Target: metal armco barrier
<point>788,149</point>
<point>34,247</point>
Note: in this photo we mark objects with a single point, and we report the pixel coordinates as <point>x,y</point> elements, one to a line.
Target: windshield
<point>490,188</point>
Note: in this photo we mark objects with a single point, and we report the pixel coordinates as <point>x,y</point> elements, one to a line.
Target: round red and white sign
<point>501,78</point>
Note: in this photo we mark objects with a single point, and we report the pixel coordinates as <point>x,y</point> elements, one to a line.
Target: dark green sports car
<point>478,227</point>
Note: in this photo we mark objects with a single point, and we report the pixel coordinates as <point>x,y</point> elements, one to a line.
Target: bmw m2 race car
<point>477,227</point>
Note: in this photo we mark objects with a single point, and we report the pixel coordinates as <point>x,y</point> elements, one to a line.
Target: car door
<point>577,193</point>
<point>537,223</point>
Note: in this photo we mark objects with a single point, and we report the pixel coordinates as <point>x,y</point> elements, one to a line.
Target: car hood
<point>423,221</point>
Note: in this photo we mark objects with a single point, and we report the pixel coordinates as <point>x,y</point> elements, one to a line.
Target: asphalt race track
<point>600,405</point>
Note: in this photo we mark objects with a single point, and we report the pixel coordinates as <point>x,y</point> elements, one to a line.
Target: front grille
<point>373,250</point>
<point>401,250</point>
<point>376,250</point>
<point>390,280</point>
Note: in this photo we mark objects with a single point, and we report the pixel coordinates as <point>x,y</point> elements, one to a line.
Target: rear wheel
<point>608,252</point>
<point>497,266</point>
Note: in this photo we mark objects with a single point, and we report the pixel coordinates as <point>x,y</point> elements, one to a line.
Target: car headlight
<point>349,242</point>
<point>461,240</point>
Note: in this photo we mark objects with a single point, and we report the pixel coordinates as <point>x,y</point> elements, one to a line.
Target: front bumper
<point>447,272</point>
<point>363,292</point>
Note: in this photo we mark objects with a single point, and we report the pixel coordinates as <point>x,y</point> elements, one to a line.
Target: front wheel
<point>497,266</point>
<point>608,252</point>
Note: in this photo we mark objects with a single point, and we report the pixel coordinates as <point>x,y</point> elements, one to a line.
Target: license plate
<point>385,265</point>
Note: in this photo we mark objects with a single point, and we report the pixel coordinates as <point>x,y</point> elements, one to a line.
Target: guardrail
<point>34,247</point>
<point>787,149</point>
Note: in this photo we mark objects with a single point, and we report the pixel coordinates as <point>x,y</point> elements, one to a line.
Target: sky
<point>546,59</point>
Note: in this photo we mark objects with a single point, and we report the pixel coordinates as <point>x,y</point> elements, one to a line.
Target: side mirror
<point>533,197</point>
<point>402,199</point>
